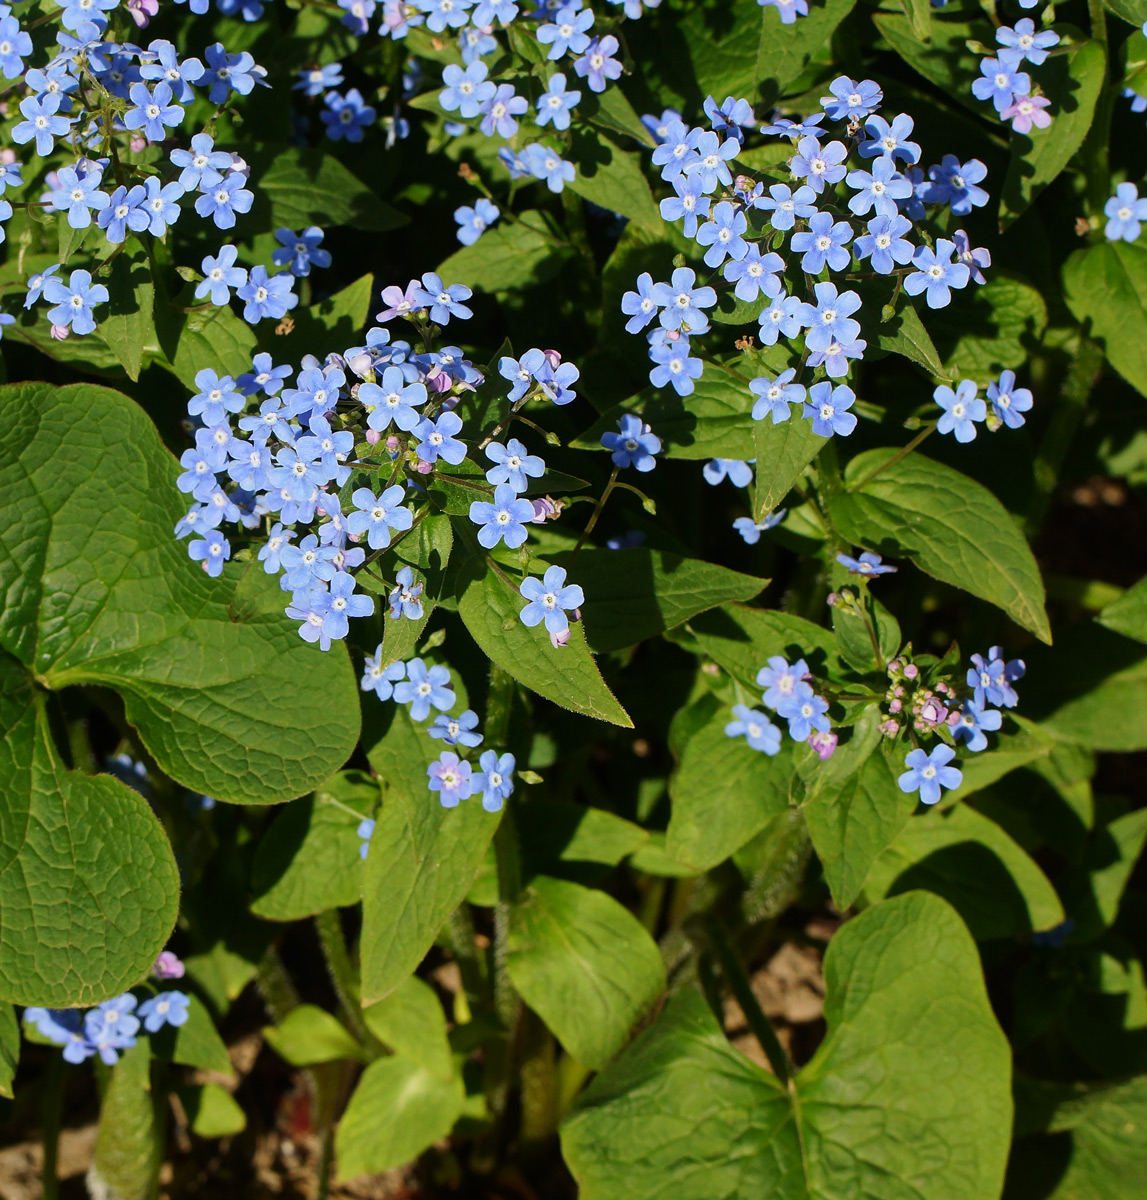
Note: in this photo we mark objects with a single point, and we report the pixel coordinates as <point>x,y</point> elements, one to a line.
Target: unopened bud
<point>373,436</point>
<point>544,508</point>
<point>137,144</point>
<point>423,468</point>
<point>438,380</point>
<point>833,599</point>
<point>360,364</point>
<point>60,332</point>
<point>558,640</point>
<point>895,705</point>
<point>553,357</point>
<point>824,743</point>
<point>911,671</point>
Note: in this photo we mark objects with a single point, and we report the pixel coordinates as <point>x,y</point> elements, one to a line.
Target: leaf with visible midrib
<point>909,1095</point>
<point>782,452</point>
<point>1107,284</point>
<point>950,526</point>
<point>100,591</point>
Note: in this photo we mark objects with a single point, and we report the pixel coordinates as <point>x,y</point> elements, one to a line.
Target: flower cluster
<point>789,694</point>
<point>963,408</point>
<point>1006,85</point>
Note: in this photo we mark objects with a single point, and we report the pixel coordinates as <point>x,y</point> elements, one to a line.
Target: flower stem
<point>594,515</point>
<point>891,462</point>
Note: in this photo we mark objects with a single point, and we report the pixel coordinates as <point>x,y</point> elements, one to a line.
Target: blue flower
<point>1008,401</point>
<point>687,205</point>
<point>1125,212</point>
<point>634,445</point>
<point>751,530</point>
<point>961,407</point>
<point>544,163</point>
<point>831,319</point>
<point>513,463</point>
<point>203,165</point>
<point>972,724</point>
<point>597,65</point>
<point>224,199</point>
<point>443,13</point>
<point>711,164</point>
<point>442,301</point>
<point>1023,42</point>
<point>928,773</point>
<point>474,43</point>
<point>955,184</point>
<point>828,407</point>
<point>365,831</point>
<point>503,520</point>
<point>783,127</point>
<point>879,188</point>
<point>356,15</point>
<point>851,101</point>
<point>74,301</point>
<point>450,779</point>
<point>61,1026</point>
<point>474,221</point>
<point>640,306</point>
<point>775,396</point>
<point>77,194</point>
<point>936,274</point>
<point>677,150</point>
<point>740,474</point>
<point>885,243</point>
<point>112,1027</point>
<point>160,204</point>
<point>499,111</point>
<point>227,73</point>
<point>379,679</point>
<point>804,712</point>
<point>754,273</point>
<point>755,728</point>
<point>315,80</point>
<point>270,552</point>
<point>783,316</point>
<point>425,687</point>
<point>252,462</point>
<point>437,440</point>
<point>123,212</point>
<point>868,564</point>
<point>267,296</point>
<point>522,373</point>
<point>674,367</point>
<point>786,205</point>
<point>819,165</point>
<point>300,252</point>
<point>567,32</point>
<point>789,9</point>
<point>730,118</point>
<point>152,112</point>
<point>16,45</point>
<point>36,284</point>
<point>212,551</point>
<point>494,780</point>
<point>392,399</point>
<point>346,116</point>
<point>406,598</point>
<point>999,82</point>
<point>467,89</point>
<point>6,319</point>
<point>889,141</point>
<point>823,242</point>
<point>10,176</point>
<point>168,1008</point>
<point>681,301</point>
<point>549,600</point>
<point>723,234</point>
<point>53,81</point>
<point>456,730</point>
<point>377,515</point>
<point>310,606</point>
<point>779,680</point>
<point>991,679</point>
<point>344,604</point>
<point>264,377</point>
<point>556,104</point>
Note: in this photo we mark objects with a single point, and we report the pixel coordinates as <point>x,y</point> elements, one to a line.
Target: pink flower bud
<point>544,508</point>
<point>7,157</point>
<point>424,468</point>
<point>954,717</point>
<point>373,436</point>
<point>833,599</point>
<point>438,380</point>
<point>824,744</point>
<point>60,332</point>
<point>392,444</point>
<point>558,640</point>
<point>895,705</point>
<point>911,671</point>
<point>553,357</point>
<point>141,13</point>
<point>167,966</point>
<point>933,712</point>
<point>239,166</point>
<point>360,364</point>
<point>137,144</point>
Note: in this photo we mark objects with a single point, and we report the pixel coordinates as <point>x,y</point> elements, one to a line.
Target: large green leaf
<point>995,328</point>
<point>742,640</point>
<point>309,187</point>
<point>129,1144</point>
<point>782,453</point>
<point>1134,11</point>
<point>1072,82</point>
<point>89,889</point>
<point>632,595</point>
<point>783,50</point>
<point>611,177</point>
<point>214,338</point>
<point>723,791</point>
<point>584,964</point>
<point>510,255</point>
<point>944,60</point>
<point>1094,887</point>
<point>950,526</point>
<point>308,861</point>
<point>398,1110</point>
<point>1106,284</point>
<point>970,861</point>
<point>568,676</point>
<point>411,1021</point>
<point>308,1035</point>
<point>9,1048</point>
<point>129,327</point>
<point>907,1097</point>
<point>1128,614</point>
<point>101,592</point>
<point>422,860</point>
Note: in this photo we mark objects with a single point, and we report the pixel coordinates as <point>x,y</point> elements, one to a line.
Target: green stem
<point>594,516</point>
<point>738,980</point>
<point>276,987</point>
<point>891,462</point>
<point>341,970</point>
<point>539,1086</point>
<point>460,931</point>
<point>51,1106</point>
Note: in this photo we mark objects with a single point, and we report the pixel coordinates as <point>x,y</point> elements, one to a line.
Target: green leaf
<point>1106,284</point>
<point>996,328</point>
<point>904,334</point>
<point>1072,82</point>
<point>682,1113</point>
<point>945,60</point>
<point>212,1112</point>
<point>422,860</point>
<point>411,1022</point>
<point>784,50</point>
<point>129,327</point>
<point>568,676</point>
<point>611,177</point>
<point>715,421</point>
<point>427,549</point>
<point>308,861</point>
<point>723,791</point>
<point>309,187</point>
<point>1093,889</point>
<point>553,831</point>
<point>101,593</point>
<point>1134,11</point>
<point>632,595</point>
<point>1128,614</point>
<point>950,526</point>
<point>309,1035</point>
<point>332,324</point>
<point>970,861</point>
<point>89,889</point>
<point>129,1143</point>
<point>854,819</point>
<point>398,1110</point>
<point>9,1048</point>
<point>919,13</point>
<point>214,338</point>
<point>511,255</point>
<point>584,964</point>
<point>782,452</point>
<point>611,112</point>
<point>195,1043</point>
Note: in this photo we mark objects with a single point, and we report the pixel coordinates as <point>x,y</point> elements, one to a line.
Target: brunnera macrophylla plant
<point>598,472</point>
